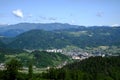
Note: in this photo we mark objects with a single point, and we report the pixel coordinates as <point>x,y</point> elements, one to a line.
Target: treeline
<point>94,68</point>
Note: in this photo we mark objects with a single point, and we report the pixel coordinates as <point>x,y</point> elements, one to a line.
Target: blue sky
<point>78,12</point>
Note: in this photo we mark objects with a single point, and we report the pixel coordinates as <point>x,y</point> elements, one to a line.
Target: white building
<point>55,50</point>
<point>75,57</point>
<point>2,66</point>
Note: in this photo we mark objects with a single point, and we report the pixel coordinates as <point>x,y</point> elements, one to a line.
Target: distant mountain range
<point>14,30</point>
<point>57,35</point>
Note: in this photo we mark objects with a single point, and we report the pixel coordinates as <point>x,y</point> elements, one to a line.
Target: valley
<point>70,40</point>
<point>60,40</point>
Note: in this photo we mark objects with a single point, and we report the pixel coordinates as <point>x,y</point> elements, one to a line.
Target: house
<point>75,57</point>
<point>55,50</point>
<point>2,66</point>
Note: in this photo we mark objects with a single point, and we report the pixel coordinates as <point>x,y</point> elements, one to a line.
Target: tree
<point>30,71</point>
<point>12,68</point>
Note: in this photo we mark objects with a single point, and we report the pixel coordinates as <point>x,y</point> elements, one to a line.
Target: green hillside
<point>39,58</point>
<point>94,68</point>
<point>45,59</point>
<point>80,37</point>
<point>2,45</point>
<point>93,36</point>
<point>39,39</point>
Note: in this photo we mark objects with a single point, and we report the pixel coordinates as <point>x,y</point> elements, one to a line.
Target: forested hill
<point>80,37</point>
<point>39,39</point>
<point>94,68</point>
<point>95,64</point>
<point>41,59</point>
<point>2,45</point>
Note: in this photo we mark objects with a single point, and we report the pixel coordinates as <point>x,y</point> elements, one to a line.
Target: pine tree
<point>12,68</point>
<point>30,71</point>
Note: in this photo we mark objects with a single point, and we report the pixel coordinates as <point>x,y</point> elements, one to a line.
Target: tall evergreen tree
<point>12,68</point>
<point>30,70</point>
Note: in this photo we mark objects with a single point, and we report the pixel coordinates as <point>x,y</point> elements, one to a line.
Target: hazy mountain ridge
<point>14,30</point>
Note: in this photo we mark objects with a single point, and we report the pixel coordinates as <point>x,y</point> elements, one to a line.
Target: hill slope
<point>94,68</point>
<point>94,36</point>
<point>2,45</point>
<point>45,59</point>
<point>39,58</point>
<point>87,37</point>
<point>39,39</point>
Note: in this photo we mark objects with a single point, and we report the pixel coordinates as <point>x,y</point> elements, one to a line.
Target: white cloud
<point>115,25</point>
<point>72,22</point>
<point>18,13</point>
<point>30,15</point>
<point>3,24</point>
<point>48,18</point>
<point>43,18</point>
<point>2,15</point>
<point>99,14</point>
<point>52,18</point>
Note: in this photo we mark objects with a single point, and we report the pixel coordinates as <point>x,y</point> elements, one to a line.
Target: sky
<point>77,12</point>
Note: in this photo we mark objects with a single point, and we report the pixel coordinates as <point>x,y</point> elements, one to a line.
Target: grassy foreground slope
<point>39,58</point>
